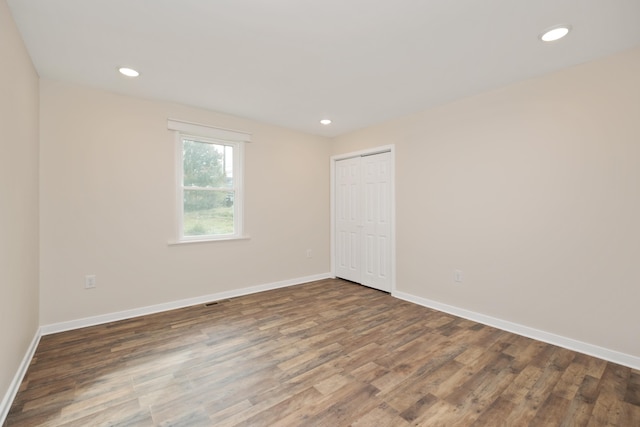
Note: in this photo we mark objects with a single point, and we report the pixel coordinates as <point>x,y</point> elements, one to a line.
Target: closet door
<point>348,231</point>
<point>376,221</point>
<point>363,220</point>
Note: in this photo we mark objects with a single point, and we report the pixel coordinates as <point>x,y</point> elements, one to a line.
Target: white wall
<point>18,200</point>
<point>108,206</point>
<point>533,191</point>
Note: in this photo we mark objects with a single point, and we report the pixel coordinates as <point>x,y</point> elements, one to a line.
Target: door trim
<point>367,152</point>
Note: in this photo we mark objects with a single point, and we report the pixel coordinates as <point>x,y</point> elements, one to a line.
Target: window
<point>209,182</point>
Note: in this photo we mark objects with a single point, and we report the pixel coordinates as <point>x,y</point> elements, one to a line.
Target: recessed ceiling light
<point>555,33</point>
<point>129,72</point>
<point>325,122</point>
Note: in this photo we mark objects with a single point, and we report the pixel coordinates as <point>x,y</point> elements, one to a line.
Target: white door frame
<point>367,152</point>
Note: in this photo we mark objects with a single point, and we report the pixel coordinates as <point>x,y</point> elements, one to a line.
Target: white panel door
<point>363,220</point>
<point>376,221</point>
<point>348,223</point>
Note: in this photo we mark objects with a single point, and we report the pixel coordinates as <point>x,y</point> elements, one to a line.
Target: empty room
<point>337,213</point>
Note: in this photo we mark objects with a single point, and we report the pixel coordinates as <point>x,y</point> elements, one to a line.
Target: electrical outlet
<point>457,276</point>
<point>309,253</point>
<point>90,281</point>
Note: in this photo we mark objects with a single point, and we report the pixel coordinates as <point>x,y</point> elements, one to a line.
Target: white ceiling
<point>293,62</point>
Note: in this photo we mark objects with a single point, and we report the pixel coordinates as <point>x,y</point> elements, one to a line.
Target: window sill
<point>222,239</point>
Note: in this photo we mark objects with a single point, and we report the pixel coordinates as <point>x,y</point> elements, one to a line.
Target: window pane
<point>228,164</point>
<point>204,165</point>
<point>208,212</point>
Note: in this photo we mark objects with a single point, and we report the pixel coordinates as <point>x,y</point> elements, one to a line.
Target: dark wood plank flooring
<point>327,353</point>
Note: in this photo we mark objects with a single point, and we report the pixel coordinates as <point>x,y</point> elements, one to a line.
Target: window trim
<point>209,134</point>
<point>208,131</point>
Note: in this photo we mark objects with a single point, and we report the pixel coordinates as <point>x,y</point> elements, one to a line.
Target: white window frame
<point>208,134</point>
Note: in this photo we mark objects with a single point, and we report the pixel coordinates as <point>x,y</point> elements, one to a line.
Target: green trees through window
<point>208,188</point>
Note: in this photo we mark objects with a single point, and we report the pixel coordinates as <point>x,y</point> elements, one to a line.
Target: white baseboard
<point>11,393</point>
<point>568,343</point>
<point>142,311</point>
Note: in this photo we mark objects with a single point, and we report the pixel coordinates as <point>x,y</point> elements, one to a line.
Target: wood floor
<point>327,353</point>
